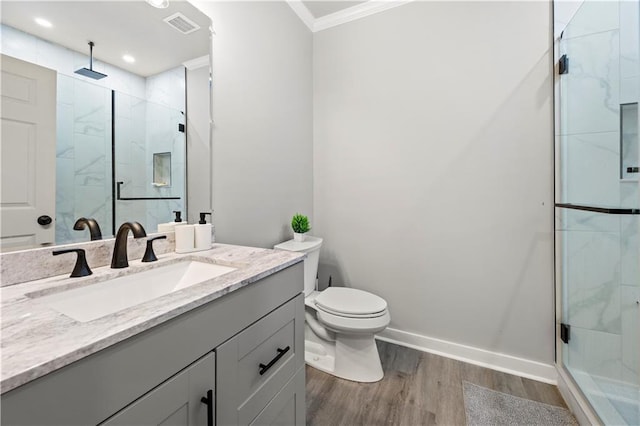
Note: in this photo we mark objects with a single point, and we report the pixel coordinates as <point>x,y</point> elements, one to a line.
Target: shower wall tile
<point>590,92</point>
<point>167,88</point>
<point>65,90</point>
<point>90,161</point>
<point>92,108</point>
<point>576,220</point>
<point>591,172</point>
<point>629,194</point>
<point>563,11</point>
<point>125,82</point>
<point>592,280</point>
<point>56,57</point>
<point>594,16</point>
<point>94,204</point>
<point>630,251</point>
<point>65,197</point>
<point>18,44</point>
<point>629,90</point>
<point>631,334</point>
<point>64,131</point>
<point>124,136</point>
<point>629,39</point>
<point>596,353</point>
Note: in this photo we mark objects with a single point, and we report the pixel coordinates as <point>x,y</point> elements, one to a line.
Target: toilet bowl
<point>340,322</point>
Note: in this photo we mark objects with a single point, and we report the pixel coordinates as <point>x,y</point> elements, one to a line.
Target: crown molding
<point>342,17</point>
<point>197,62</point>
<point>356,12</point>
<point>303,13</point>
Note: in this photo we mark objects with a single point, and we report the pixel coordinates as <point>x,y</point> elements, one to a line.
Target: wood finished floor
<point>418,389</point>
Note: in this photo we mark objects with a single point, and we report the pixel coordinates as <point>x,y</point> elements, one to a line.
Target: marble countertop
<point>37,340</point>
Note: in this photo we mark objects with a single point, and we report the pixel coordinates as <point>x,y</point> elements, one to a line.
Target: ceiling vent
<point>181,23</point>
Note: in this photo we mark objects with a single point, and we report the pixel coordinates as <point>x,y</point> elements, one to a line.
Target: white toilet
<point>340,322</point>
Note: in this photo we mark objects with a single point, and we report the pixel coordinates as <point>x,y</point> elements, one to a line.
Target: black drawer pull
<point>208,400</point>
<point>281,352</point>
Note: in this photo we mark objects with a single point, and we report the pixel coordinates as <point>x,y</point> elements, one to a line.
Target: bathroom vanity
<point>229,350</point>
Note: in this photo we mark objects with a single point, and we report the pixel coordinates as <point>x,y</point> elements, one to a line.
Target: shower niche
<point>629,159</point>
<point>161,169</point>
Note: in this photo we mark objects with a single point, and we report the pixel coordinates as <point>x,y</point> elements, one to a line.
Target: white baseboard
<point>496,361</point>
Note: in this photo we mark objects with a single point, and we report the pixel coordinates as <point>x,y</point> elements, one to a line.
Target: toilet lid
<point>349,301</point>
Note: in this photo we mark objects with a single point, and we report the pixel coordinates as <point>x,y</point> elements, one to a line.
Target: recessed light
<point>128,58</point>
<point>43,22</point>
<point>160,4</point>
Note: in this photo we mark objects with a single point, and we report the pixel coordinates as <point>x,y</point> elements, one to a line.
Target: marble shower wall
<point>601,280</point>
<point>145,127</point>
<point>83,157</point>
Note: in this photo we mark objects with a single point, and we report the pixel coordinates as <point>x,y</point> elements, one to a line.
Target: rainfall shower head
<point>89,72</point>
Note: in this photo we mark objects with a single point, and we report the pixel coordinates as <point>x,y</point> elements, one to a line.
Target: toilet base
<point>350,357</point>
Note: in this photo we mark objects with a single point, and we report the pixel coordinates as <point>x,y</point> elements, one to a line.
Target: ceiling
<point>117,28</point>
<point>320,8</point>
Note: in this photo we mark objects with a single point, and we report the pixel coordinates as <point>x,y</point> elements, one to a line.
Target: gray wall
<point>262,112</point>
<point>433,169</point>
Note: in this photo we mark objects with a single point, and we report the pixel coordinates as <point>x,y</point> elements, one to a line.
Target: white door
<point>27,154</point>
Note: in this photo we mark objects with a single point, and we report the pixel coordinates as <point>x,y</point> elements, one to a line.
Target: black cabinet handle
<point>81,268</point>
<point>44,220</point>
<point>209,401</point>
<point>281,352</point>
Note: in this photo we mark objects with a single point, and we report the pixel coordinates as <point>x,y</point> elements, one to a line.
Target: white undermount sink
<point>107,297</point>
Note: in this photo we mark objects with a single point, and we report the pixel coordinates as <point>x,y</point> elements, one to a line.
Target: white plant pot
<point>299,237</point>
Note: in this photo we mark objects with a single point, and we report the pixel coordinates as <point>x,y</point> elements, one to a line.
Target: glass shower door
<point>598,206</point>
<point>150,161</point>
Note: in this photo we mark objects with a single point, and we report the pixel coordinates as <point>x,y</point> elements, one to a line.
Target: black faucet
<point>119,259</point>
<point>149,255</point>
<point>81,268</point>
<point>92,224</point>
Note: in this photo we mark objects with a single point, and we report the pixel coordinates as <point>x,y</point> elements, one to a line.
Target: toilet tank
<point>310,246</point>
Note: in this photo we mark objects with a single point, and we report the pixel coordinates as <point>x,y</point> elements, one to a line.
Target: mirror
<point>127,118</point>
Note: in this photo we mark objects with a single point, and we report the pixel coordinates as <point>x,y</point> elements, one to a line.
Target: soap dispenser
<point>170,226</point>
<point>203,233</point>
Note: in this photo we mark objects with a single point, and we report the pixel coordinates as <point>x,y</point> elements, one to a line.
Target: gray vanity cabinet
<point>260,363</point>
<point>160,375</point>
<point>178,401</point>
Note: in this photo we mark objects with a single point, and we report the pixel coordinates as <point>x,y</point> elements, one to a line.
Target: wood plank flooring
<point>418,389</point>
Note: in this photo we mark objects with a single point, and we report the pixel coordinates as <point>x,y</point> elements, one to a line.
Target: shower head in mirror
<point>89,72</point>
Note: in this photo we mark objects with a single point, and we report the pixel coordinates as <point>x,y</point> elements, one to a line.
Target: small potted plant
<point>300,225</point>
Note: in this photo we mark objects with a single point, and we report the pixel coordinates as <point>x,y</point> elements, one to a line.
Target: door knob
<point>44,220</point>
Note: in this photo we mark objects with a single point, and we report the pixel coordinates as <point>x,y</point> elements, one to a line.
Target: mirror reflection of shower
<point>96,125</point>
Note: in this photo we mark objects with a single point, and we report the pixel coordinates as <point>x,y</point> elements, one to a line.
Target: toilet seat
<point>348,310</point>
<point>351,325</point>
<point>350,303</point>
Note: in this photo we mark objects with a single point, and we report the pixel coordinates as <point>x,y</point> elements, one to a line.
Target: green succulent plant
<point>300,223</point>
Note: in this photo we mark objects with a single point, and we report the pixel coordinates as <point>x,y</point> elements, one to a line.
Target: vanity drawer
<point>287,407</point>
<point>255,365</point>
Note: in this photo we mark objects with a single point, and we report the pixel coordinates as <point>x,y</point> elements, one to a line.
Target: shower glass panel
<point>146,131</point>
<point>598,248</point>
<point>83,157</point>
